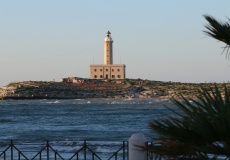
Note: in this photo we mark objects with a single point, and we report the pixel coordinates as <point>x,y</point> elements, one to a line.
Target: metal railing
<point>65,150</point>
<point>71,150</point>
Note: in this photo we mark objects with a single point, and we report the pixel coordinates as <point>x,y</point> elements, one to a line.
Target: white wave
<point>53,102</point>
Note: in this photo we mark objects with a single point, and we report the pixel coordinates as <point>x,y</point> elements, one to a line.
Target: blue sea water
<point>103,120</point>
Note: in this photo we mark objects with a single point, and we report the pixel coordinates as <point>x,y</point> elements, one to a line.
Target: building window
<point>113,76</point>
<point>118,70</point>
<point>101,70</point>
<point>95,70</point>
<point>107,70</point>
<point>101,76</point>
<point>119,76</point>
<point>95,76</point>
<point>112,70</point>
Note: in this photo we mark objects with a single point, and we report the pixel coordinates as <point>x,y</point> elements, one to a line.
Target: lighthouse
<point>108,70</point>
<point>108,49</point>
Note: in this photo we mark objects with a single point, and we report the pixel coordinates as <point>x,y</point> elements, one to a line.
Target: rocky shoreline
<point>81,88</point>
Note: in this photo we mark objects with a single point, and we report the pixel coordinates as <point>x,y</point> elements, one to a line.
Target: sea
<point>75,120</point>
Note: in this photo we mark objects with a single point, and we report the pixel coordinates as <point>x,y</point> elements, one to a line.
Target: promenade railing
<point>65,150</point>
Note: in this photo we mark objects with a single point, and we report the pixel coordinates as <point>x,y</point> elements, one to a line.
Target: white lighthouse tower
<point>108,49</point>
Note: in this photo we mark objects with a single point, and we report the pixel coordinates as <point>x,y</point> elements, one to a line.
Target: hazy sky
<point>157,40</point>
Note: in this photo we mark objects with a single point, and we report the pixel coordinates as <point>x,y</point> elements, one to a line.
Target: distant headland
<point>82,88</point>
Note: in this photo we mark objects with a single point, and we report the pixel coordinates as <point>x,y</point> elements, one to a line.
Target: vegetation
<point>200,127</point>
<point>219,31</point>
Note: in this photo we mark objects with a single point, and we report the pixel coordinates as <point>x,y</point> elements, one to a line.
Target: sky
<point>46,40</point>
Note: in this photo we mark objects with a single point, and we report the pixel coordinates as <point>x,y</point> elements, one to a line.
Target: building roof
<point>107,65</point>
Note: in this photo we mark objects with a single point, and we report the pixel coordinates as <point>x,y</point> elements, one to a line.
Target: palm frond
<point>201,127</point>
<point>219,31</point>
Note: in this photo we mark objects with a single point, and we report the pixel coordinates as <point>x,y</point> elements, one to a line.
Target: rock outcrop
<point>80,88</point>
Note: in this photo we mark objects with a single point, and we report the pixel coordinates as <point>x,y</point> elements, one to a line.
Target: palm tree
<point>200,127</point>
<point>219,31</point>
<point>198,130</point>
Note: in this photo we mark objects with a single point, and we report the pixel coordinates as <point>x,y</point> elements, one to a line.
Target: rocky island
<point>81,88</point>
